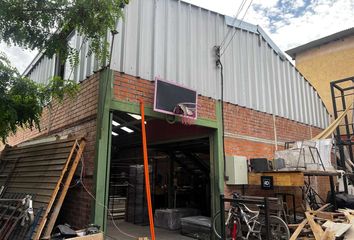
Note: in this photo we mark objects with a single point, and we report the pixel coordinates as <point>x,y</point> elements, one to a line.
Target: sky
<point>289,23</point>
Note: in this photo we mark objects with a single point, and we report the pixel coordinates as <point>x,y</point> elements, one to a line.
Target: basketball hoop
<point>187,112</point>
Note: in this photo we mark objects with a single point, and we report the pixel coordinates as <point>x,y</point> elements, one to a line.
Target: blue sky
<point>289,23</point>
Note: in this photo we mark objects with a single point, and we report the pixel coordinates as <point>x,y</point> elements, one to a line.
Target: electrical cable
<point>102,205</point>
<point>249,5</point>
<point>235,18</point>
<point>222,113</point>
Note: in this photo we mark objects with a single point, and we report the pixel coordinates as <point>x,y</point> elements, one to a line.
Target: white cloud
<point>319,19</point>
<point>18,56</point>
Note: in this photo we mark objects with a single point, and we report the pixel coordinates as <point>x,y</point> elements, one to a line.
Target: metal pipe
<point>146,170</point>
<point>222,216</point>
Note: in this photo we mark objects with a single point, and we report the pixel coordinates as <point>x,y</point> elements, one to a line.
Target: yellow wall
<point>323,64</point>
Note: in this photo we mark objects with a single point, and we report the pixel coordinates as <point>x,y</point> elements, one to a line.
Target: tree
<point>22,100</point>
<point>45,25</point>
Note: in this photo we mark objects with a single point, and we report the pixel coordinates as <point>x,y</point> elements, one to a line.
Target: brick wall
<point>130,89</point>
<point>72,116</point>
<point>252,134</point>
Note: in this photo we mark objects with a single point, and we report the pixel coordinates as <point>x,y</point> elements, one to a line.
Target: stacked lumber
<point>44,171</point>
<point>323,225</point>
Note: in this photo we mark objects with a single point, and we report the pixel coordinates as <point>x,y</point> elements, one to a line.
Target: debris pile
<point>324,225</point>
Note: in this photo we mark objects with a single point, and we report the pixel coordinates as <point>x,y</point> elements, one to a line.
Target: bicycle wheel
<point>229,231</point>
<point>278,229</point>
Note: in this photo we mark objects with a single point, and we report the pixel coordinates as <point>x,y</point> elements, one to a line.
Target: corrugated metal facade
<point>42,70</point>
<point>87,63</point>
<point>175,41</point>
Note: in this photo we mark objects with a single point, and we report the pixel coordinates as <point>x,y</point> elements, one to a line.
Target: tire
<point>278,229</point>
<point>216,221</point>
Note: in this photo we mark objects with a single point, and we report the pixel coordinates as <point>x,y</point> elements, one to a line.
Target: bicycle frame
<point>241,212</point>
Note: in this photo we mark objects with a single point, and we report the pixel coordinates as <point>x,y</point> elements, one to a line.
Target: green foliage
<point>45,25</point>
<point>22,100</point>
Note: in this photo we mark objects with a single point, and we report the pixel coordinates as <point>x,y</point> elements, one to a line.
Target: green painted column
<point>217,171</point>
<point>103,148</point>
<point>217,163</point>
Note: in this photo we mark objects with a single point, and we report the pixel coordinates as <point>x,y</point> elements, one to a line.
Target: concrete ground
<point>141,231</point>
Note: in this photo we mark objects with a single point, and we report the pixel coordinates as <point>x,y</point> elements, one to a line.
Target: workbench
<point>294,179</point>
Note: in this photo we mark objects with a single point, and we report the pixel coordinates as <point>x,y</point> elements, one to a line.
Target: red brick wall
<point>242,123</point>
<point>130,89</point>
<point>72,116</point>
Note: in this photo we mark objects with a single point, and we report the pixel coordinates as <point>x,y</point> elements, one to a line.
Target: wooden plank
<point>31,149</point>
<point>57,167</point>
<point>338,228</point>
<point>53,196</point>
<point>52,143</point>
<point>316,229</point>
<point>281,179</point>
<point>324,215</point>
<point>33,190</point>
<point>30,158</point>
<point>43,179</point>
<point>41,174</point>
<point>298,230</point>
<point>348,214</point>
<point>37,185</point>
<point>49,153</point>
<point>98,236</point>
<point>328,235</point>
<point>323,207</point>
<point>60,201</point>
<point>42,199</point>
<point>48,162</point>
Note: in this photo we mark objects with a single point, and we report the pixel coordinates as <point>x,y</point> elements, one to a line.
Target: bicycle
<point>239,219</point>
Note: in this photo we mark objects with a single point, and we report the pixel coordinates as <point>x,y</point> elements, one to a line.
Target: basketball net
<point>187,112</point>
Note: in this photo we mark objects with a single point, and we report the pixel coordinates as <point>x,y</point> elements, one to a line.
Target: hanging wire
<point>234,21</point>
<point>102,205</point>
<point>243,17</point>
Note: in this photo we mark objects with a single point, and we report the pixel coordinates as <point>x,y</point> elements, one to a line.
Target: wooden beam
<point>316,229</point>
<point>298,230</point>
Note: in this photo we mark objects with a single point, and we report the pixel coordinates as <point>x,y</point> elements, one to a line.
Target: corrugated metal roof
<point>334,37</point>
<point>174,40</point>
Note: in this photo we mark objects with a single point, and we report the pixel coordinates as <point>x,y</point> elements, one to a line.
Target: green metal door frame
<point>103,145</point>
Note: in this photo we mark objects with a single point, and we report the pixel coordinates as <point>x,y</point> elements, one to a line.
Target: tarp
<point>293,158</point>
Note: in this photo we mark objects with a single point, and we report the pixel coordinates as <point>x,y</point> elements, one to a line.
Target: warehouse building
<point>266,102</point>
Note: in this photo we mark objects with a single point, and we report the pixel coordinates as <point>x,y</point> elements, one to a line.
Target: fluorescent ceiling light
<point>114,123</point>
<point>115,134</point>
<point>128,130</point>
<point>136,116</point>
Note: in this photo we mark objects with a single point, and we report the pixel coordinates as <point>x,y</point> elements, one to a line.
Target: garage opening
<point>179,166</point>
